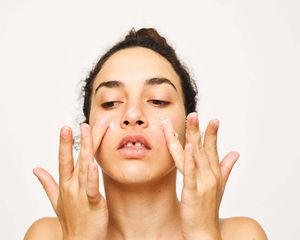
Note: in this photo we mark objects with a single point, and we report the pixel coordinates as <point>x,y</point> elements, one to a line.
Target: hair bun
<point>146,33</point>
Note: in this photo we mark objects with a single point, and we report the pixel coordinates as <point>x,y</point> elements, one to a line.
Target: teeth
<point>129,144</point>
<point>137,144</point>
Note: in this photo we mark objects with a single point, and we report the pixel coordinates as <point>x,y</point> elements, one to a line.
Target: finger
<point>98,132</point>
<point>92,189</point>
<point>226,165</point>
<point>86,154</point>
<point>173,143</point>
<point>210,145</point>
<point>49,185</point>
<point>65,155</point>
<point>189,169</point>
<point>193,133</point>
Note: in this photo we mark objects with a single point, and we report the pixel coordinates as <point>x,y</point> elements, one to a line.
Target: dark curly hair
<point>148,38</point>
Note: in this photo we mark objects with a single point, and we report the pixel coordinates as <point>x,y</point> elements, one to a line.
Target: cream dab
<point>111,125</point>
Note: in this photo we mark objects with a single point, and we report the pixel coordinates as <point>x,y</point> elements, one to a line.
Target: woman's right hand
<point>77,202</point>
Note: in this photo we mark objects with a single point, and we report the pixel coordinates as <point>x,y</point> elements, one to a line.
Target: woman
<point>141,126</point>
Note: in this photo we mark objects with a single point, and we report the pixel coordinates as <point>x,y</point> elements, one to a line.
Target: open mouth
<point>134,146</point>
<point>134,150</point>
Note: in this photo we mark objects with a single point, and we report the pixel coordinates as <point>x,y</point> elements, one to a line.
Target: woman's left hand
<point>204,178</point>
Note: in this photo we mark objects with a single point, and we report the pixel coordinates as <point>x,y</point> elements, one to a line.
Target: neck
<point>143,210</point>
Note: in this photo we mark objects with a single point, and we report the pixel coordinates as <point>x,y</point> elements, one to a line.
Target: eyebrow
<point>149,82</point>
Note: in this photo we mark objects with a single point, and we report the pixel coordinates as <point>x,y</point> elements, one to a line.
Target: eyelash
<point>164,103</point>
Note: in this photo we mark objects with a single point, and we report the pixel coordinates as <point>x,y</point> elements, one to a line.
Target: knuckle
<point>214,181</point>
<point>95,198</point>
<point>85,153</point>
<point>71,189</point>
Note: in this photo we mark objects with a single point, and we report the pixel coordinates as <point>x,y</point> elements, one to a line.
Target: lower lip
<point>134,152</point>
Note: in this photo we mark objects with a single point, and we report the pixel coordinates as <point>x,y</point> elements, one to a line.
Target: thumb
<point>92,189</point>
<point>226,165</point>
<point>49,185</point>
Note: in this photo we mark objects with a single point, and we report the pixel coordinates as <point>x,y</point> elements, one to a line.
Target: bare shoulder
<point>237,228</point>
<point>47,228</point>
<point>234,228</point>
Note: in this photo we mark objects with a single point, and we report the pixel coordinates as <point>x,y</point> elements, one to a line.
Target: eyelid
<point>103,104</point>
<point>163,103</point>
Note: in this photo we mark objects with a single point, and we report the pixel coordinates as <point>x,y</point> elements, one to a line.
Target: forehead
<point>133,65</point>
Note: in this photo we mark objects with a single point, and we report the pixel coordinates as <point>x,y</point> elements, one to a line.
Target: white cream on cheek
<point>111,126</point>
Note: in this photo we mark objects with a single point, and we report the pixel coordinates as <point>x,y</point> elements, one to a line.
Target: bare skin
<point>141,200</point>
<point>235,228</point>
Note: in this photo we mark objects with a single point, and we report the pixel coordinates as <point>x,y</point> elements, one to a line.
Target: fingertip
<point>166,123</point>
<point>65,131</point>
<point>192,115</point>
<point>215,123</point>
<point>192,120</point>
<point>36,170</point>
<point>100,124</point>
<point>237,155</point>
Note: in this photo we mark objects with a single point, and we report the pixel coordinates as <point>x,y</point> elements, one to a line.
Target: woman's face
<point>134,112</point>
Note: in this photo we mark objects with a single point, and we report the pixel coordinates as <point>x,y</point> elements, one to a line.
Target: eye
<point>109,104</point>
<point>159,102</point>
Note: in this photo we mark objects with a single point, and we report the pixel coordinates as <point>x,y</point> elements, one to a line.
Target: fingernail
<point>65,131</point>
<point>194,117</point>
<point>34,172</point>
<point>84,129</point>
<point>216,123</point>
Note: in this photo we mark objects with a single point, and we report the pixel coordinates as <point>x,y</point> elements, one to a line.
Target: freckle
<point>176,135</point>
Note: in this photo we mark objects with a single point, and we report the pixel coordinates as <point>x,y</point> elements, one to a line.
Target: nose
<point>134,116</point>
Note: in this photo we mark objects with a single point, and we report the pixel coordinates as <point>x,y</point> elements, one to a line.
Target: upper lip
<point>134,138</point>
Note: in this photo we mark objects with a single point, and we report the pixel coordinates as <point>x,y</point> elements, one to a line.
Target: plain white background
<point>244,55</point>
